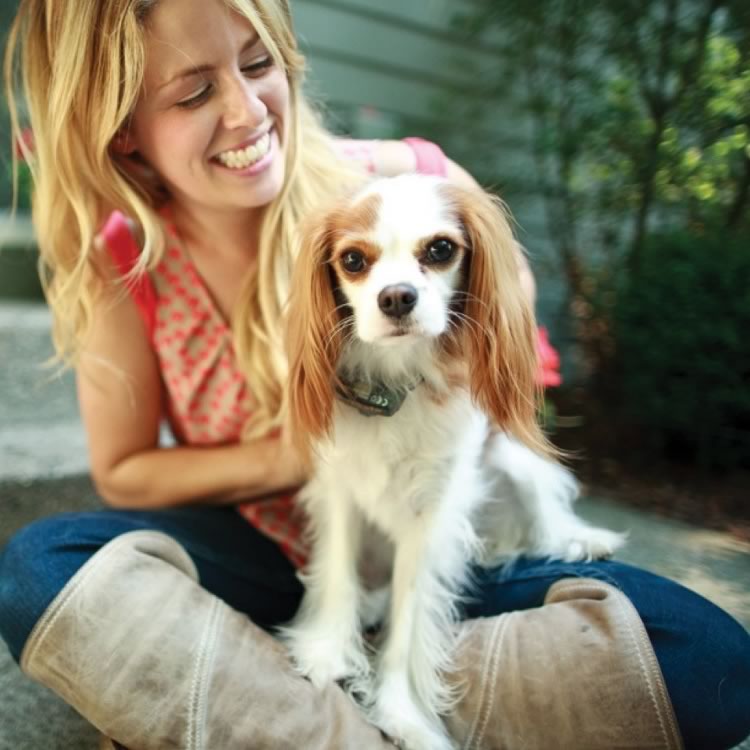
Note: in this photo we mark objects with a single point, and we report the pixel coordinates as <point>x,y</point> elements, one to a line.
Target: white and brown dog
<point>413,364</point>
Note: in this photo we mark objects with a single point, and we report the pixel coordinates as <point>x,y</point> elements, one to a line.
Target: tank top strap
<point>124,251</point>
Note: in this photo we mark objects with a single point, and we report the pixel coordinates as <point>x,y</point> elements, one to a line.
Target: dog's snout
<point>397,300</point>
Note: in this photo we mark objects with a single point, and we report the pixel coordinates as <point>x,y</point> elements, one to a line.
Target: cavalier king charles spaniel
<point>413,363</point>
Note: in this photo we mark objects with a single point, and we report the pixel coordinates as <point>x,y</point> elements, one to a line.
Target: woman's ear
<point>123,143</point>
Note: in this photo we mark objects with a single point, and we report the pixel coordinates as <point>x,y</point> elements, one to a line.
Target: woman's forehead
<point>184,36</point>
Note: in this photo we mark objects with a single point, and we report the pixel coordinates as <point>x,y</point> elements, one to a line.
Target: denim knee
<point>35,565</point>
<point>708,678</point>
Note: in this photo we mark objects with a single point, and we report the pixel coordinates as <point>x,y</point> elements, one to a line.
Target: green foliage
<point>636,114</point>
<point>683,359</point>
<point>700,133</point>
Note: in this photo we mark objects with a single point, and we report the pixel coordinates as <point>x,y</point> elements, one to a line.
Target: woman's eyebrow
<point>197,69</point>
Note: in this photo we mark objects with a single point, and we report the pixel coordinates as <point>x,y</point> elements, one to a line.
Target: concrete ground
<point>42,471</point>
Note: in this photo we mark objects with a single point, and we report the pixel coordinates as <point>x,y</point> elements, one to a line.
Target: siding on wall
<point>399,68</point>
<point>402,58</point>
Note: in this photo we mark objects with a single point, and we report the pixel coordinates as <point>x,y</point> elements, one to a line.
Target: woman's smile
<point>247,154</point>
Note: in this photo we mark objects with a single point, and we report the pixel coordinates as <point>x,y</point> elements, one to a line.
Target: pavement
<point>43,471</point>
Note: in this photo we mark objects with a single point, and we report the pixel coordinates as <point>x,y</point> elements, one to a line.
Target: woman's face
<point>213,114</point>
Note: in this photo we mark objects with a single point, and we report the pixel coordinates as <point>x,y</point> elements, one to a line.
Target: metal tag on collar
<point>373,399</point>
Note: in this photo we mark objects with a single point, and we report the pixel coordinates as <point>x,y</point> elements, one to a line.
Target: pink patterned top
<point>207,399</point>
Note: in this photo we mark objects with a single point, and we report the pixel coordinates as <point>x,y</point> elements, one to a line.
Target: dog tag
<point>373,399</point>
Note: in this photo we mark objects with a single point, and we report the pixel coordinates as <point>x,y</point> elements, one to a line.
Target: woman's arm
<point>120,398</point>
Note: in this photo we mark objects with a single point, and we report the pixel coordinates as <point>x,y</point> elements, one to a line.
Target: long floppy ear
<point>313,337</point>
<point>499,330</point>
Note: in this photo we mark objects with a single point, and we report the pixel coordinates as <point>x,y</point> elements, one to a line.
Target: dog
<point>413,363</point>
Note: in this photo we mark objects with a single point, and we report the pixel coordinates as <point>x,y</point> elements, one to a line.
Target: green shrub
<point>682,327</point>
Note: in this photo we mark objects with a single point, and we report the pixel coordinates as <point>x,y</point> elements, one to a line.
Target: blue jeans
<point>704,654</point>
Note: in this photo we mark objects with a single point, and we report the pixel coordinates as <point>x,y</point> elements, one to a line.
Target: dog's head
<point>412,267</point>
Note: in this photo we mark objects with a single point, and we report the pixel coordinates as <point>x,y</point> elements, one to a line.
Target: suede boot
<point>578,673</point>
<point>105,743</point>
<point>155,661</point>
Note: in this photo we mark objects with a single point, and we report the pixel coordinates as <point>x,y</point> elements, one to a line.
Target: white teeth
<point>243,158</point>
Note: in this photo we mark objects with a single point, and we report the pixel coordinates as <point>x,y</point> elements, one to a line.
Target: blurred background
<point>619,135</point>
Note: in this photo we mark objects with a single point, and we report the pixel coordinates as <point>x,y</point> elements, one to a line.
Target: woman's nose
<point>243,107</point>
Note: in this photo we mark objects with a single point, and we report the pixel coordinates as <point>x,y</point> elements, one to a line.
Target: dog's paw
<point>587,543</point>
<point>324,655</point>
<point>396,714</point>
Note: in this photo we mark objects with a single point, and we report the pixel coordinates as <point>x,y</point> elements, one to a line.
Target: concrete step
<point>40,432</point>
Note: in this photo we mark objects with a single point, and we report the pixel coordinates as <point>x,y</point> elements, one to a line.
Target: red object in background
<point>24,144</point>
<point>549,360</point>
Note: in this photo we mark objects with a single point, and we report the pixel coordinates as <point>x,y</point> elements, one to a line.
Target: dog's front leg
<point>324,638</point>
<point>431,560</point>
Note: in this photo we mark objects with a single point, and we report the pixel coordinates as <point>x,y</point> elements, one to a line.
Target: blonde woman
<point>173,157</point>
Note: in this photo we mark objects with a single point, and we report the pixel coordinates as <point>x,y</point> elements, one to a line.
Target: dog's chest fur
<point>402,465</point>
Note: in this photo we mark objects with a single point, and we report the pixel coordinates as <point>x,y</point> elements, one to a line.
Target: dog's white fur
<point>439,484</point>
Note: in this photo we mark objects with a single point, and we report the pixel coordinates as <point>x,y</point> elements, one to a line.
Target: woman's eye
<point>257,68</point>
<point>353,261</point>
<point>440,251</point>
<point>251,71</point>
<point>196,99</point>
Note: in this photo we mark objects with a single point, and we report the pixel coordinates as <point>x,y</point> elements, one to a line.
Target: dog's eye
<point>353,261</point>
<point>440,251</point>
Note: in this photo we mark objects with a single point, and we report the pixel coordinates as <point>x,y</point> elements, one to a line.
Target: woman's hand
<point>271,465</point>
<point>288,468</point>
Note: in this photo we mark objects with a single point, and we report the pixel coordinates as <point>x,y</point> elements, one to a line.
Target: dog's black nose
<point>397,300</point>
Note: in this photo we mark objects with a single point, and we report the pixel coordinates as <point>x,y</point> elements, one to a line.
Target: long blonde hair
<point>78,68</point>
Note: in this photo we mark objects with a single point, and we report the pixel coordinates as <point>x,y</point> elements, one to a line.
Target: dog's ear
<point>499,334</point>
<point>313,335</point>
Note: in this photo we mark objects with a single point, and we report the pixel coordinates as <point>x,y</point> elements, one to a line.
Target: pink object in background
<point>549,360</point>
<point>24,144</point>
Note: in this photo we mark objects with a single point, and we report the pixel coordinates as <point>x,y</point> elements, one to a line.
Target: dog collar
<point>373,398</point>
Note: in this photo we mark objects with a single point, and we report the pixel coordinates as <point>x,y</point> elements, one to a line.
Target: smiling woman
<point>174,160</point>
<point>213,129</point>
